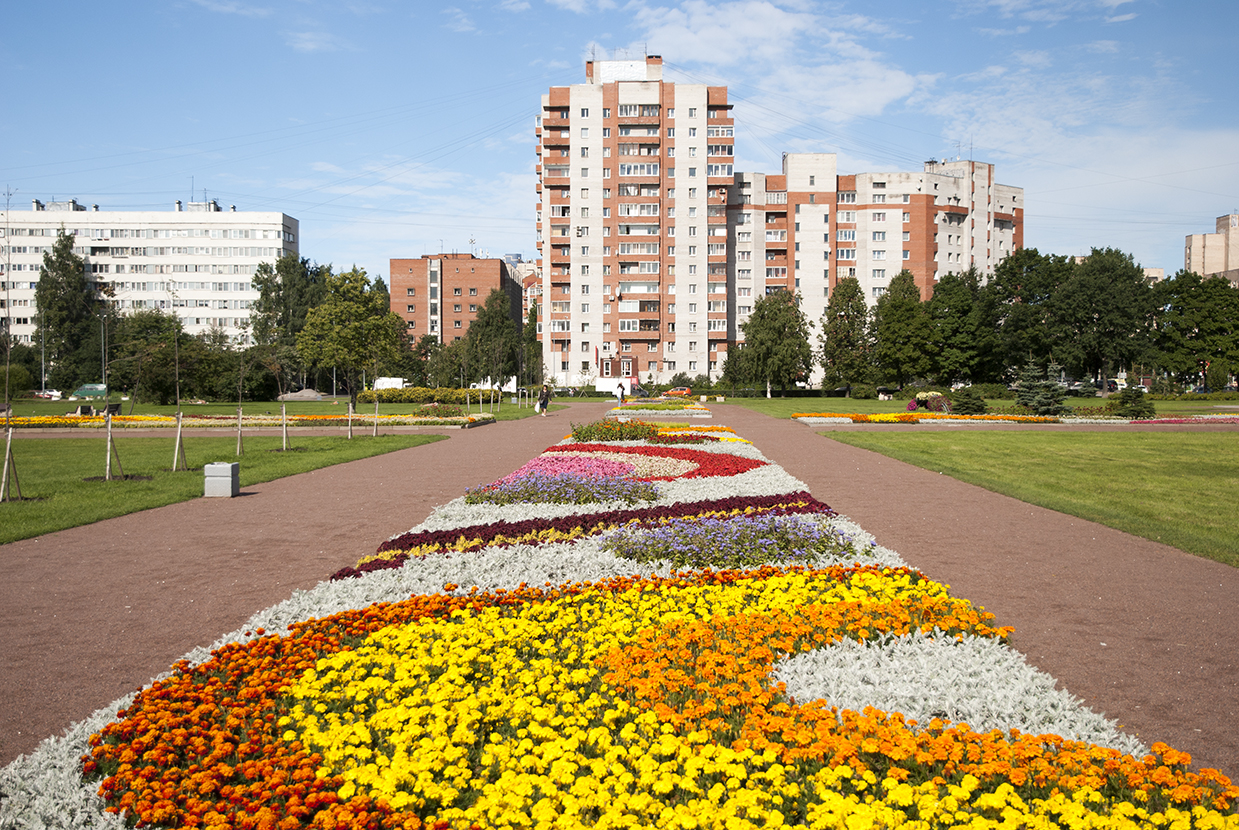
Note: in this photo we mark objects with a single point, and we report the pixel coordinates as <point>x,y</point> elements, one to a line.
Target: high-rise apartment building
<point>653,249</point>
<point>1217,253</point>
<point>195,261</point>
<point>633,179</point>
<point>441,294</point>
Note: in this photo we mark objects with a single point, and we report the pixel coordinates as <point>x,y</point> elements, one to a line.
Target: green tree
<point>531,349</point>
<point>1022,289</point>
<point>846,349</point>
<point>1103,315</point>
<point>1039,391</point>
<point>71,312</point>
<point>493,339</point>
<point>144,355</point>
<point>964,338</point>
<point>902,331</point>
<point>776,342</point>
<point>1196,323</point>
<point>286,293</point>
<point>352,329</point>
<point>448,364</point>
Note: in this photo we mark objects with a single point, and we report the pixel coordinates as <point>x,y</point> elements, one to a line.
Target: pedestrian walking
<point>544,400</point>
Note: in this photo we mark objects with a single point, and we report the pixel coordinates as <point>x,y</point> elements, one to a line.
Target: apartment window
<point>585,348</point>
<point>846,196</point>
<point>879,273</point>
<point>879,290</point>
<point>906,236</point>
<point>692,172</point>
<point>879,236</point>
<point>907,254</point>
<point>411,309</point>
<point>879,198</point>
<point>473,292</point>
<point>671,132</point>
<point>584,112</point>
<point>606,113</point>
<point>692,112</point>
<point>879,216</point>
<point>879,254</point>
<point>456,291</point>
<point>412,292</point>
<point>456,308</point>
<point>584,152</point>
<point>811,181</point>
<point>845,235</point>
<point>455,324</point>
<point>907,217</point>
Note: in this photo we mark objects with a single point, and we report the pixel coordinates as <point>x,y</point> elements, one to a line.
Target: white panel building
<point>196,260</point>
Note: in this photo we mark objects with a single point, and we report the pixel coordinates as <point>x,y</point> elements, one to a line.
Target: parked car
<point>561,391</point>
<point>638,392</point>
<point>681,391</point>
<point>1202,390</point>
<point>50,394</point>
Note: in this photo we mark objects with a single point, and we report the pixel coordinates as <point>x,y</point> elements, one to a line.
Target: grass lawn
<point>52,470</point>
<point>785,407</point>
<point>1176,488</point>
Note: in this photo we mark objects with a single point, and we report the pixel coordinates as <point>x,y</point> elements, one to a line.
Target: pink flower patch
<point>571,465</point>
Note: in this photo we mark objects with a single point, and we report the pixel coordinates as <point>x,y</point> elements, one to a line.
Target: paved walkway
<point>1139,630</point>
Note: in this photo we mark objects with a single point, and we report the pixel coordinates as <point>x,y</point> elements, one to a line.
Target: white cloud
<point>316,42</point>
<point>232,7</point>
<point>581,6</point>
<point>1122,18</point>
<point>1018,30</point>
<point>1103,47</point>
<point>458,21</point>
<point>722,33</point>
<point>514,5</point>
<point>1034,59</point>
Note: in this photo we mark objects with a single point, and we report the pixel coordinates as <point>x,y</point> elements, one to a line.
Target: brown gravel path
<point>1139,630</point>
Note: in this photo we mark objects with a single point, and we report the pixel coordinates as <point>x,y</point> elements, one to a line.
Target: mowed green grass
<point>777,407</point>
<point>1178,488</point>
<point>52,472</point>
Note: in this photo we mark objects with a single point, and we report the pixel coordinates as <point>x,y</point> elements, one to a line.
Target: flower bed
<point>915,417</point>
<point>360,420</point>
<point>447,693</point>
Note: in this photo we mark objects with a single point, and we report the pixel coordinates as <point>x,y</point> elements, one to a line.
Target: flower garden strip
<point>638,701</point>
<point>247,421</point>
<point>629,695</point>
<point>395,552</point>
<point>916,417</point>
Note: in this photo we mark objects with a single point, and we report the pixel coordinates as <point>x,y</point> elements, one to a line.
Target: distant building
<point>1210,254</point>
<point>653,248</point>
<point>195,261</point>
<point>440,294</point>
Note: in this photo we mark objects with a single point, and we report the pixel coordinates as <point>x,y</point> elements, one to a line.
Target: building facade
<point>633,177</point>
<point>195,261</point>
<point>1217,253</point>
<point>653,248</point>
<point>441,294</point>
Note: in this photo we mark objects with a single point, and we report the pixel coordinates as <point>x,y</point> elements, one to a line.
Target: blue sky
<point>397,129</point>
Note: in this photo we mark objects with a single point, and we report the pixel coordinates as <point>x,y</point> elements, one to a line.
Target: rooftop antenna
<point>191,188</point>
<point>471,245</point>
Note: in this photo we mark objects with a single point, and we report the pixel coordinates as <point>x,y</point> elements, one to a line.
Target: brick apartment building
<point>652,248</point>
<point>441,294</point>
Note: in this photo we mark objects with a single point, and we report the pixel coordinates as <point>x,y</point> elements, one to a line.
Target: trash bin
<point>223,479</point>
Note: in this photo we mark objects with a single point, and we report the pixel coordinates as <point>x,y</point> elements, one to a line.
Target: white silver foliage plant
<point>979,681</point>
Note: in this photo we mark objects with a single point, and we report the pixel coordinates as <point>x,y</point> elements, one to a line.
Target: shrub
<point>422,395</point>
<point>993,391</point>
<point>1131,404</point>
<point>613,431</point>
<point>1039,395</point>
<point>864,391</point>
<point>967,401</point>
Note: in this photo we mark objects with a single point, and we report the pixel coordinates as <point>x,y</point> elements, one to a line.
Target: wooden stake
<point>112,451</point>
<point>10,467</point>
<point>240,446</point>
<point>284,424</point>
<point>375,434</point>
<point>350,420</point>
<point>179,461</point>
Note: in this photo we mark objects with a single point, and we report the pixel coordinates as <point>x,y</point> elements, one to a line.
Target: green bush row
<point>422,395</point>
